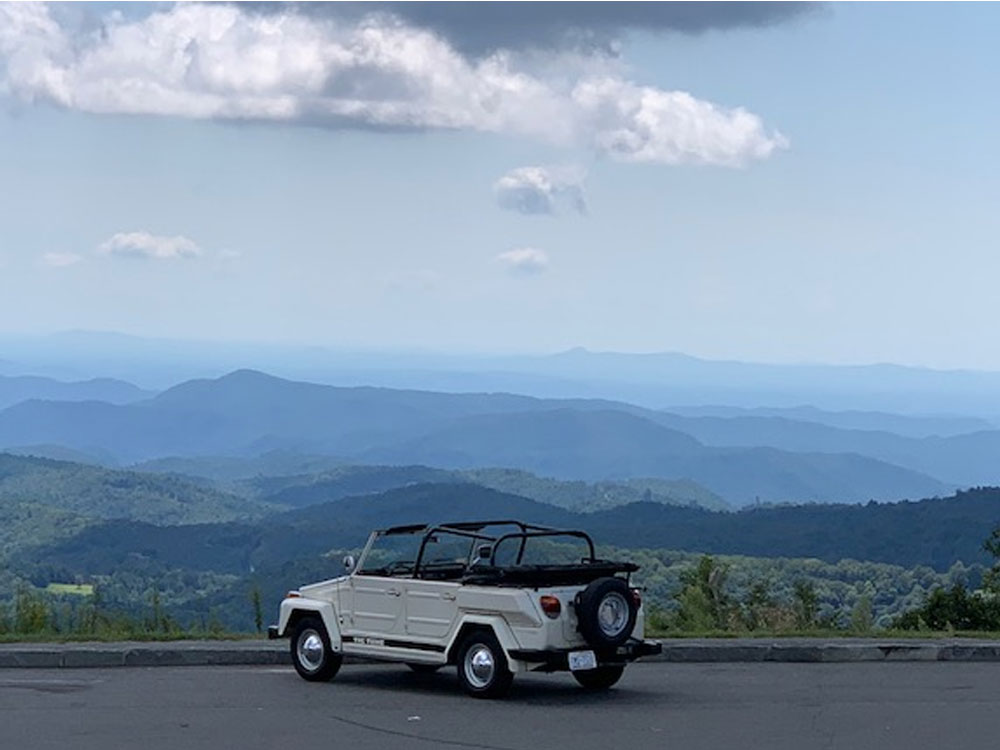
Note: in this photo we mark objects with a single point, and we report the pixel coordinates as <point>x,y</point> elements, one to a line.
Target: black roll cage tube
<point>473,530</point>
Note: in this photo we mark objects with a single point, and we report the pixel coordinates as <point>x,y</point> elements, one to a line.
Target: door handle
<point>392,592</point>
<point>448,596</point>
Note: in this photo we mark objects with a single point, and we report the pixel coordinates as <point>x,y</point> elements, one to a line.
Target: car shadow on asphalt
<point>536,689</point>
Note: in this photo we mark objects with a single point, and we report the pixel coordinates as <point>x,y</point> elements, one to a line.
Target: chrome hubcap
<point>479,666</point>
<point>310,650</point>
<point>612,614</point>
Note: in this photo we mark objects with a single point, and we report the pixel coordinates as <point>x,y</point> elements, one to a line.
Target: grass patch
<point>73,589</point>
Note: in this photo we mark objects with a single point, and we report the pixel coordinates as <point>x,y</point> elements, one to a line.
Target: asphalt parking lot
<point>796,706</point>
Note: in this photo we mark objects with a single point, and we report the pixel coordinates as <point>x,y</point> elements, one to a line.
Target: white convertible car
<point>486,597</point>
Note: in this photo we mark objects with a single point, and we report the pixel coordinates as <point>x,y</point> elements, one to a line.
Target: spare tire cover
<point>606,612</point>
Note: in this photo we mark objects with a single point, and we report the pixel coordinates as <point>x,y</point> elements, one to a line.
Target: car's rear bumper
<point>557,659</point>
<point>272,632</point>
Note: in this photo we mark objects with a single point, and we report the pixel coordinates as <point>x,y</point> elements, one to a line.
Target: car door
<point>375,589</point>
<point>376,605</point>
<point>430,607</point>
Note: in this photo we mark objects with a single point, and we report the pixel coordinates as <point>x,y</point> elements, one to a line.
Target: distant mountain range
<point>247,413</point>
<point>653,380</point>
<point>905,425</point>
<point>14,389</point>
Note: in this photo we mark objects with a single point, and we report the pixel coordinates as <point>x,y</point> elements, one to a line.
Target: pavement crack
<point>412,736</point>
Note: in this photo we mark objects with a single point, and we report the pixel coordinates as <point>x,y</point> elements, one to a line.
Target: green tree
<point>756,605</point>
<point>953,609</point>
<point>702,600</point>
<point>258,615</point>
<point>862,618</point>
<point>31,612</point>
<point>991,578</point>
<point>806,605</point>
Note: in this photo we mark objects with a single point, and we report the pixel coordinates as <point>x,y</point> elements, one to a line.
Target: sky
<point>775,183</point>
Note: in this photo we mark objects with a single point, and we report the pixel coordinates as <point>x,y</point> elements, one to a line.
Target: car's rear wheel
<point>606,612</point>
<point>482,666</point>
<point>424,668</point>
<point>312,655</point>
<point>599,679</point>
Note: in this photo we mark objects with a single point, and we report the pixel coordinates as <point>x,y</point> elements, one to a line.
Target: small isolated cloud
<point>60,260</point>
<point>524,261</point>
<point>540,190</point>
<point>146,245</point>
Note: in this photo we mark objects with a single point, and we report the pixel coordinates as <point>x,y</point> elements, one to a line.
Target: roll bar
<point>474,530</point>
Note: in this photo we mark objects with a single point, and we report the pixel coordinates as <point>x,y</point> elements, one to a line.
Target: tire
<point>599,679</point>
<point>606,612</point>
<point>312,655</point>
<point>482,666</point>
<point>424,668</point>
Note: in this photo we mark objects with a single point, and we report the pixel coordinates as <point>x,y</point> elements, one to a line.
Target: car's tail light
<point>292,595</point>
<point>637,598</point>
<point>551,606</point>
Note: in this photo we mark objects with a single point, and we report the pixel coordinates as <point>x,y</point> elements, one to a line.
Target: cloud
<point>478,28</point>
<point>222,62</point>
<point>524,261</point>
<point>61,260</point>
<point>539,190</point>
<point>146,245</point>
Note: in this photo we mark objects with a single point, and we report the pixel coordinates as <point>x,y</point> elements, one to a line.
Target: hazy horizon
<point>334,347</point>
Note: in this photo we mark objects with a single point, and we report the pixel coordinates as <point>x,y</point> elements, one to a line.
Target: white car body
<point>409,617</point>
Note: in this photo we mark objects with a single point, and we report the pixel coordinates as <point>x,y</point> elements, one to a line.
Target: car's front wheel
<point>482,666</point>
<point>599,679</point>
<point>312,655</point>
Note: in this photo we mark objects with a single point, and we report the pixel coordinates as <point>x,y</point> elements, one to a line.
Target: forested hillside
<point>934,533</point>
<point>132,533</point>
<point>100,493</point>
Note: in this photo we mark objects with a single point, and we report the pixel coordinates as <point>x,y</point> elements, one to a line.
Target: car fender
<point>501,629</point>
<point>326,610</point>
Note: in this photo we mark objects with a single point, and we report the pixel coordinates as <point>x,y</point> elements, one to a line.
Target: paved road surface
<point>683,706</point>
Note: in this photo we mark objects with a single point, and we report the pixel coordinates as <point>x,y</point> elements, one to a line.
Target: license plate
<point>580,660</point>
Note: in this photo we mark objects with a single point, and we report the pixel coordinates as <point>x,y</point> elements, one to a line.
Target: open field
<point>73,589</point>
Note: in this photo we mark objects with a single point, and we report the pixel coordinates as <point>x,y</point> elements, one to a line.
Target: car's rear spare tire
<point>482,666</point>
<point>312,655</point>
<point>606,612</point>
<point>599,679</point>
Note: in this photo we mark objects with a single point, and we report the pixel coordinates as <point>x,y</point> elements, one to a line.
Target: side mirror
<point>349,564</point>
<point>484,552</point>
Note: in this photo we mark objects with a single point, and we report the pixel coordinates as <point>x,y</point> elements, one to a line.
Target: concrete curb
<point>718,651</point>
<point>141,654</point>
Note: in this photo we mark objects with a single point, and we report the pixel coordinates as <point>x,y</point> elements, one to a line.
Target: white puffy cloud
<point>146,245</point>
<point>215,61</point>
<point>524,261</point>
<point>644,124</point>
<point>539,190</point>
<point>60,260</point>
